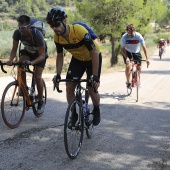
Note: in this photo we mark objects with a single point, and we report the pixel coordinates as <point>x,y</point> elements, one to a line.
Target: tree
<point>112,16</point>
<point>4,7</point>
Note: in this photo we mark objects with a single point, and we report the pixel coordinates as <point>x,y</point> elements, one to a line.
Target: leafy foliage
<point>110,17</point>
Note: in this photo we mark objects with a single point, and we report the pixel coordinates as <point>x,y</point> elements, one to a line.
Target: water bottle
<point>85,107</point>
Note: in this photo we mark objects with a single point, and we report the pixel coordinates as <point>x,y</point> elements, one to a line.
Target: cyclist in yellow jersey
<point>86,57</point>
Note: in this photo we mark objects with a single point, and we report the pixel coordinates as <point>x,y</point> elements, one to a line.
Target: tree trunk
<point>114,57</point>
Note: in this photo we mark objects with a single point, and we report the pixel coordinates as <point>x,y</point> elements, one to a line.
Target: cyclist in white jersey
<point>130,46</point>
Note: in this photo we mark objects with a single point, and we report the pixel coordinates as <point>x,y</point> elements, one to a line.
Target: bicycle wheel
<point>73,136</point>
<point>137,86</point>
<point>13,105</point>
<point>35,98</point>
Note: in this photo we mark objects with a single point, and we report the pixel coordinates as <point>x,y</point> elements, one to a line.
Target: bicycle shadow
<point>118,97</point>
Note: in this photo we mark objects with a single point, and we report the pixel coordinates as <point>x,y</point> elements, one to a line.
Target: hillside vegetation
<point>108,22</point>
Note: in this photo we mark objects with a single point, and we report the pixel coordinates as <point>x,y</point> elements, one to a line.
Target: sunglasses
<point>56,24</point>
<point>23,27</point>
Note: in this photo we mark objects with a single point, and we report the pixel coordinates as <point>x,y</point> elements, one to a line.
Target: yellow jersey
<point>79,44</point>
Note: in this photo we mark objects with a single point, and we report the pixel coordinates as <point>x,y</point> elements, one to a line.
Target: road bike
<point>161,50</point>
<point>18,98</point>
<point>135,80</point>
<point>73,134</point>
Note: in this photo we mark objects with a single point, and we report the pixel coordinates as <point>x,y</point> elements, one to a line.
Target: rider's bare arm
<point>59,62</point>
<point>13,52</point>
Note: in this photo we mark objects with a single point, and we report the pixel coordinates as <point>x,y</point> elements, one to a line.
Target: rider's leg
<point>38,79</point>
<point>39,82</point>
<point>128,67</point>
<point>128,71</point>
<point>70,87</point>
<point>95,97</point>
<point>22,59</point>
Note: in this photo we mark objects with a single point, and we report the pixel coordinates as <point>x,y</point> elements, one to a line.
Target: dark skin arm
<point>95,65</point>
<point>59,63</point>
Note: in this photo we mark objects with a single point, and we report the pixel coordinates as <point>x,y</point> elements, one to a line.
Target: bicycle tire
<point>137,86</point>
<point>13,110</point>
<point>35,99</point>
<point>73,136</point>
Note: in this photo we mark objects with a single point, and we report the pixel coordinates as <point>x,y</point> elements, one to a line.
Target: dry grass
<point>106,65</point>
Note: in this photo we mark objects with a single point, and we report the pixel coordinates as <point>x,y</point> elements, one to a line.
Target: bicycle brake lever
<point>2,68</point>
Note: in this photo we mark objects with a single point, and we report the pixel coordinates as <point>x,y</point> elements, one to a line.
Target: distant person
<point>34,52</point>
<point>130,46</point>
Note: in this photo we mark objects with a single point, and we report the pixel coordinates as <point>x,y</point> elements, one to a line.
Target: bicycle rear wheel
<point>13,105</point>
<point>35,98</point>
<point>73,135</point>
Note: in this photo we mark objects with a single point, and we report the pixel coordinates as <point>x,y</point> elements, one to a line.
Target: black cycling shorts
<point>77,68</point>
<point>33,56</point>
<point>134,56</point>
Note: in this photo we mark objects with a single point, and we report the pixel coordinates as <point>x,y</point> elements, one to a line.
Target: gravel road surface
<point>131,136</point>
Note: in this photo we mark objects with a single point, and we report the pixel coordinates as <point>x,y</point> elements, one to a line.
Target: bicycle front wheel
<point>13,105</point>
<point>73,134</point>
<point>35,99</point>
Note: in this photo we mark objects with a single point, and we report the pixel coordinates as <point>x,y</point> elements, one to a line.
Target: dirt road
<point>131,136</point>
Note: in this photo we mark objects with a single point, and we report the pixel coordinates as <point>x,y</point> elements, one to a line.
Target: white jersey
<point>132,44</point>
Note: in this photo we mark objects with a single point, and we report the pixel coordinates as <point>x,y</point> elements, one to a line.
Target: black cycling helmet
<point>55,14</point>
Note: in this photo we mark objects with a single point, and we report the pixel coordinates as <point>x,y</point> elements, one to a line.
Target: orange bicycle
<point>17,97</point>
<point>135,81</point>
